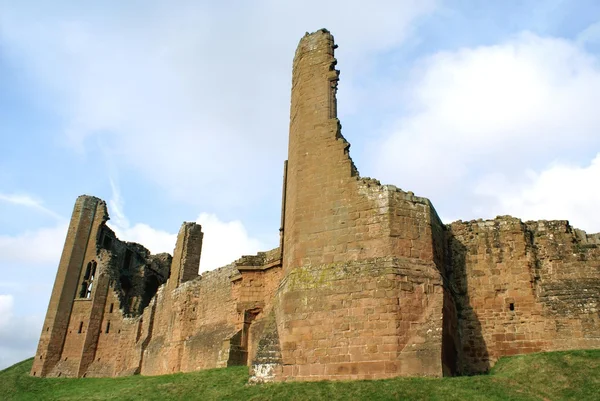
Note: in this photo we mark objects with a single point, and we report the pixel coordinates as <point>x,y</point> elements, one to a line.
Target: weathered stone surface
<point>367,282</point>
<point>523,287</point>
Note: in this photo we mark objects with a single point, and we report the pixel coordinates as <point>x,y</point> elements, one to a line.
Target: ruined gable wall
<point>520,289</point>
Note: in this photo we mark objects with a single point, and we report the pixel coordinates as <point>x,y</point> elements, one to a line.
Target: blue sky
<point>174,111</point>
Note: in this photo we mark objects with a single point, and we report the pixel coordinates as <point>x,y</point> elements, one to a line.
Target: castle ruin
<point>367,282</point>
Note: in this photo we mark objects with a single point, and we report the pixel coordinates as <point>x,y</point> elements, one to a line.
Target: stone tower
<point>319,167</point>
<point>362,293</point>
<point>69,327</point>
<point>186,257</point>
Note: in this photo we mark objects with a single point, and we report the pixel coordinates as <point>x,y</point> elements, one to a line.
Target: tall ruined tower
<point>319,167</point>
<point>75,284</point>
<point>362,293</point>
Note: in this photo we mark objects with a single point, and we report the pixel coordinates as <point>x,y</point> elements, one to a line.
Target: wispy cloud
<point>590,35</point>
<point>30,202</point>
<point>116,204</point>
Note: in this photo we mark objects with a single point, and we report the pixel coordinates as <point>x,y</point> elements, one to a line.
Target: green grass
<point>573,375</point>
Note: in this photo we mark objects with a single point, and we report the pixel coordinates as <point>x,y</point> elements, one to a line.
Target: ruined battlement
<point>367,281</point>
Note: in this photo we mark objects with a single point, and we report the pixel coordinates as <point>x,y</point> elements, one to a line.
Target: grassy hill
<point>571,375</point>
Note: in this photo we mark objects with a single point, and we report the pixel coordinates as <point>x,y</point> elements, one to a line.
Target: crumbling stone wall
<point>93,261</point>
<point>367,282</point>
<point>522,288</point>
<point>150,314</point>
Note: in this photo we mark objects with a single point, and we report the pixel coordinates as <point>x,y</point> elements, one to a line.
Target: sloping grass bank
<point>573,375</point>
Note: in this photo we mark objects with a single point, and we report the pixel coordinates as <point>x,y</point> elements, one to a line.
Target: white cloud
<point>481,112</point>
<point>190,95</point>
<point>116,205</point>
<point>35,247</point>
<point>223,242</point>
<point>562,191</point>
<point>28,201</point>
<point>28,263</point>
<point>6,306</point>
<point>18,334</point>
<point>155,240</point>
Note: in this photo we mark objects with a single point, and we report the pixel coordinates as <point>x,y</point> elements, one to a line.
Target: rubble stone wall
<point>524,287</point>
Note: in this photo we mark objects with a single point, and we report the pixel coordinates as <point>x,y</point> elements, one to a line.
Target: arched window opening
<point>88,271</point>
<point>88,280</point>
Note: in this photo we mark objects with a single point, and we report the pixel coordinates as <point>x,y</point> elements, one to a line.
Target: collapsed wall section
<point>523,287</point>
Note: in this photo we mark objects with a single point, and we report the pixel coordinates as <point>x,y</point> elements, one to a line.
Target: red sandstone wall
<point>201,324</point>
<point>542,269</point>
<point>191,324</point>
<point>363,319</point>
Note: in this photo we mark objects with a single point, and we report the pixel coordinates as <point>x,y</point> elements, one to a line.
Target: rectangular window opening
<point>106,242</point>
<point>127,259</point>
<point>110,309</point>
<point>511,306</point>
<point>80,327</point>
<point>107,327</point>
